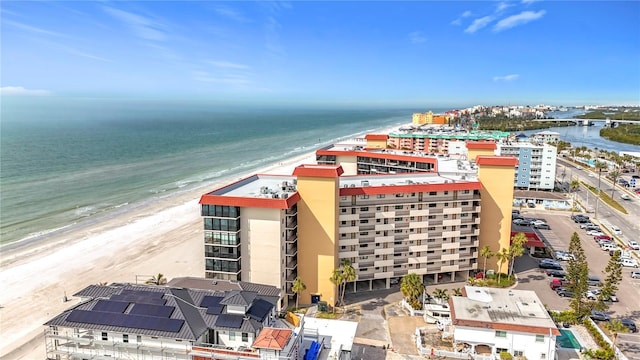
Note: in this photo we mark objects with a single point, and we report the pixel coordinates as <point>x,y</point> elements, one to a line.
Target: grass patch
<point>606,198</point>
<point>328,315</point>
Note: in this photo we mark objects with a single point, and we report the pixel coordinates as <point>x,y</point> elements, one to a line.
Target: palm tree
<point>441,294</point>
<point>599,165</point>
<point>336,279</point>
<point>574,185</point>
<point>615,326</point>
<point>348,275</point>
<point>615,174</point>
<point>298,287</point>
<point>516,249</point>
<point>157,280</point>
<point>412,288</point>
<point>486,253</point>
<point>502,256</point>
<point>456,292</point>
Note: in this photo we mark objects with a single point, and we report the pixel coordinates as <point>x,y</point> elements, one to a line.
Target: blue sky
<point>449,53</point>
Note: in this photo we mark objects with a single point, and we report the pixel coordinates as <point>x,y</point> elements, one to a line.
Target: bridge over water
<point>587,122</point>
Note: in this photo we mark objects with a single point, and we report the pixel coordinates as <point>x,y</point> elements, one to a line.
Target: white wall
<point>262,258</point>
<point>513,341</point>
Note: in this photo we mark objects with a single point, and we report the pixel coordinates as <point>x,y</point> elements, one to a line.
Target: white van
<point>609,247</point>
<point>629,262</point>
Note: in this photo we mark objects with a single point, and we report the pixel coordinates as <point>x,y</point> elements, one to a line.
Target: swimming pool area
<point>567,340</point>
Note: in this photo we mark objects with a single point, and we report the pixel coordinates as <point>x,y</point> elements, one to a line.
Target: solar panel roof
<point>259,309</point>
<point>152,310</point>
<point>209,301</point>
<point>215,310</point>
<point>229,320</point>
<point>143,293</point>
<point>110,306</point>
<point>125,320</point>
<point>138,299</point>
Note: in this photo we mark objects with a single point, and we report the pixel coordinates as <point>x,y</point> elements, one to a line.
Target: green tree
<point>615,327</point>
<point>412,289</point>
<point>516,249</point>
<point>577,275</point>
<point>615,174</point>
<point>156,280</point>
<point>298,287</point>
<point>456,292</point>
<point>336,279</point>
<point>503,256</point>
<point>611,282</point>
<point>441,294</point>
<point>599,166</point>
<point>348,275</point>
<point>486,253</point>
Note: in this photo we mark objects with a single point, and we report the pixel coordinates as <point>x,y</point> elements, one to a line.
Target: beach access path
<point>162,237</point>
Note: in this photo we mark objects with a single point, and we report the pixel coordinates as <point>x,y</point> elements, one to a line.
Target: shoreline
<point>163,235</point>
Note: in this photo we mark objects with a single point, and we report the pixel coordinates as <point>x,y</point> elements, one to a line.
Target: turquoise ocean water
<point>65,161</point>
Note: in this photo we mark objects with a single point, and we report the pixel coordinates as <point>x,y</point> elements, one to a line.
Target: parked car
<point>555,284</point>
<point>549,264</point>
<point>542,227</point>
<point>586,225</point>
<point>594,281</point>
<point>635,274</point>
<point>599,316</point>
<point>556,273</point>
<point>595,232</point>
<point>593,227</point>
<point>629,324</point>
<point>610,246</point>
<point>634,245</point>
<point>563,292</point>
<point>564,255</point>
<point>603,242</point>
<point>629,262</point>
<point>522,222</point>
<point>580,218</point>
<point>593,295</point>
<point>516,216</point>
<point>598,237</point>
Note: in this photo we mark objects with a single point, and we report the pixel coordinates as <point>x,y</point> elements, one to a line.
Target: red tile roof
<point>313,170</point>
<point>273,339</point>
<point>496,160</point>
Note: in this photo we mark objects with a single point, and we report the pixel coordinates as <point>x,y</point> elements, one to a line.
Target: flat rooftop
<point>515,308</point>
<point>282,186</point>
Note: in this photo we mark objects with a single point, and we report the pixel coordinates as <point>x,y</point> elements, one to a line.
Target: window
<point>433,193</point>
<point>518,353</point>
<point>539,338</point>
<point>104,336</point>
<point>139,338</point>
<point>125,338</point>
<point>543,356</point>
<point>500,333</point>
<point>245,337</point>
<point>380,196</point>
<point>232,336</point>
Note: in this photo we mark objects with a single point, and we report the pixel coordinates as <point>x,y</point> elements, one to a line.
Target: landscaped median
<point>605,198</point>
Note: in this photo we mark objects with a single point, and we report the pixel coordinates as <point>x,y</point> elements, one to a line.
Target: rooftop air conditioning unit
<point>365,183</point>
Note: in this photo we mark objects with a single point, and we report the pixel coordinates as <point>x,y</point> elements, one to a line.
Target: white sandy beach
<point>164,237</point>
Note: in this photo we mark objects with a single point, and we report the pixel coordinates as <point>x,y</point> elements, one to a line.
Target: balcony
<point>291,249</point>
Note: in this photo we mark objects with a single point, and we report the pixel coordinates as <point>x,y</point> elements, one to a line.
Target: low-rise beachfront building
<point>437,139</point>
<point>213,319</point>
<point>491,321</point>
<point>306,224</point>
<point>536,168</point>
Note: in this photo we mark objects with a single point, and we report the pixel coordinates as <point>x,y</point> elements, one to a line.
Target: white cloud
<point>231,14</point>
<point>30,28</point>
<point>529,1</point>
<point>502,6</point>
<point>416,37</point>
<point>142,27</point>
<point>227,79</point>
<point>478,24</point>
<point>505,78</point>
<point>19,90</point>
<point>519,19</point>
<point>228,65</point>
<point>458,21</point>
